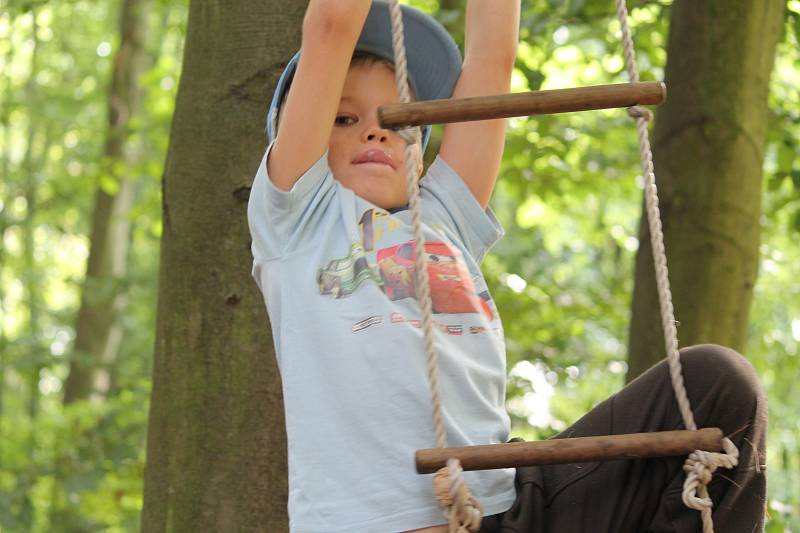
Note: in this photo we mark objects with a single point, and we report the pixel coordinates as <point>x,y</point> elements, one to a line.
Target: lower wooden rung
<point>572,450</point>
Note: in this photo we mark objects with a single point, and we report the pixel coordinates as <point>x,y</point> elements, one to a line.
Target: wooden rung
<point>521,104</point>
<point>573,450</point>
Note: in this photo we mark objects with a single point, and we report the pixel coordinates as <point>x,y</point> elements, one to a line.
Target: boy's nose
<point>376,133</point>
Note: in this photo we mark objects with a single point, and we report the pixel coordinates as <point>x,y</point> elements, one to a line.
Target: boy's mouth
<point>374,155</point>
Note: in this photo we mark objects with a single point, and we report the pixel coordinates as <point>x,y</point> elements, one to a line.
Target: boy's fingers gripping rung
<point>573,450</point>
<point>521,104</point>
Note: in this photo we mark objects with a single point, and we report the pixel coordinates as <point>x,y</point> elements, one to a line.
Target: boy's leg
<point>645,495</point>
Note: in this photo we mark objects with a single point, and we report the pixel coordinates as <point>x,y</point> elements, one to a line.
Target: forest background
<point>73,423</point>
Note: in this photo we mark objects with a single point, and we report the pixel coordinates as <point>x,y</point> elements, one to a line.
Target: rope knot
<point>462,509</point>
<point>638,111</point>
<point>700,467</point>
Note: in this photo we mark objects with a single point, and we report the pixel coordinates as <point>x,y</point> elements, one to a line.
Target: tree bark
<point>216,450</point>
<point>98,329</point>
<point>708,148</point>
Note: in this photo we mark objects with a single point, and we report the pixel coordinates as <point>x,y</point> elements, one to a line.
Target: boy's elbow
<point>334,17</point>
<point>494,71</point>
<point>497,58</point>
<point>506,60</point>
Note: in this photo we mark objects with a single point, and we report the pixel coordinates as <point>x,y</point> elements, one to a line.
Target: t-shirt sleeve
<point>276,218</point>
<point>451,202</point>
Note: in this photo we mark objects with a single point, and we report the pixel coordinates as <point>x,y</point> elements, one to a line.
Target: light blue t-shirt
<point>337,275</point>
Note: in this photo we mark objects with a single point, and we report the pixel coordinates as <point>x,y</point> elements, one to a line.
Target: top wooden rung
<point>521,104</point>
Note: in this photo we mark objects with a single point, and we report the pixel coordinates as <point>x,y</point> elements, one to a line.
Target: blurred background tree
<point>563,277</point>
<point>98,326</point>
<point>708,146</point>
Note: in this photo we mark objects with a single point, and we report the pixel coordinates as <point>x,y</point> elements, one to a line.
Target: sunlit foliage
<point>569,198</point>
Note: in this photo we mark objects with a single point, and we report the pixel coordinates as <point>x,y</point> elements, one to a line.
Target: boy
<point>332,257</point>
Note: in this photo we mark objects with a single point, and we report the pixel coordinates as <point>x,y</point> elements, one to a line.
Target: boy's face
<point>363,156</point>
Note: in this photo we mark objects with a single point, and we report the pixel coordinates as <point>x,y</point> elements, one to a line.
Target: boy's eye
<point>344,120</point>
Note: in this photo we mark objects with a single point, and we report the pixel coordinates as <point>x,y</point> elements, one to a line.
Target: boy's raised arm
<point>474,149</point>
<point>330,31</point>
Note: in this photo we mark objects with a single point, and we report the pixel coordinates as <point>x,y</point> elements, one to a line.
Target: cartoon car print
<point>452,289</point>
<point>340,277</point>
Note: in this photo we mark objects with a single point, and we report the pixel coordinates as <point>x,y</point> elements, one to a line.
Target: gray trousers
<point>645,495</point>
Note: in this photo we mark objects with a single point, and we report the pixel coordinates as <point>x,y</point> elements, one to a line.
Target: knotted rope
<point>453,493</point>
<point>700,465</point>
<point>462,510</point>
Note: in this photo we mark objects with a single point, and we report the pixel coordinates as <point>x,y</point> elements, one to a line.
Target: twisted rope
<point>700,465</point>
<point>462,510</point>
<point>465,511</point>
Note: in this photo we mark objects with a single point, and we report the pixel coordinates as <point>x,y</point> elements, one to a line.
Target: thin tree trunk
<point>216,457</point>
<point>98,332</point>
<point>708,151</point>
<point>3,340</point>
<point>30,275</point>
<point>98,326</point>
<point>5,222</point>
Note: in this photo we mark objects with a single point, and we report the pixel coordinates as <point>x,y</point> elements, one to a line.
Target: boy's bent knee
<point>720,363</point>
<point>724,377</point>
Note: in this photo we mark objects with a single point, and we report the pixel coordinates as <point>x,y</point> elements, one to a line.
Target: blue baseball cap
<point>433,58</point>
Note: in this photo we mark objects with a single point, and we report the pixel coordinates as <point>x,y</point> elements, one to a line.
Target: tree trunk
<point>31,278</point>
<point>98,329</point>
<point>5,223</point>
<point>216,450</point>
<point>708,152</point>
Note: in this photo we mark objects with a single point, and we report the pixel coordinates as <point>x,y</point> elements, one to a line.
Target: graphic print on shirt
<point>373,224</point>
<point>341,277</point>
<point>452,289</point>
<point>393,269</point>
